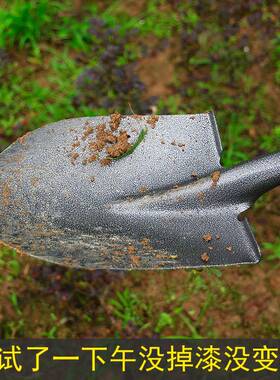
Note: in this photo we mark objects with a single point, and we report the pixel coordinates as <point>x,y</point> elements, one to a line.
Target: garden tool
<point>130,192</point>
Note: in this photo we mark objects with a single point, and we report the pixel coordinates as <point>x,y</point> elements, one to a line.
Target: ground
<point>61,61</point>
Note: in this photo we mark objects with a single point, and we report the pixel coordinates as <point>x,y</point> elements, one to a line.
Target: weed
<point>235,142</point>
<point>125,307</point>
<point>14,302</point>
<point>24,23</point>
<point>138,141</point>
<point>274,248</point>
<point>276,57</point>
<point>271,142</point>
<point>164,320</point>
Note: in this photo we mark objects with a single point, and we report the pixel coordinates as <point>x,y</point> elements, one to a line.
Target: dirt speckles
<point>102,137</point>
<point>108,142</point>
<point>136,117</point>
<point>229,248</point>
<point>88,131</point>
<point>207,237</point>
<point>91,158</point>
<point>180,145</point>
<point>74,157</point>
<point>131,249</point>
<point>105,161</point>
<point>76,144</point>
<point>215,176</point>
<point>145,242</point>
<point>194,175</point>
<point>115,121</point>
<point>34,181</point>
<point>143,189</point>
<point>201,197</point>
<point>135,260</point>
<point>6,194</point>
<point>152,120</point>
<point>120,147</point>
<point>205,257</point>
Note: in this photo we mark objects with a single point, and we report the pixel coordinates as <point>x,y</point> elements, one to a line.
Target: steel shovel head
<point>153,207</point>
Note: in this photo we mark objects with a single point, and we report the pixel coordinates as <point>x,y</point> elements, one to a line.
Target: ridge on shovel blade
<point>168,204</point>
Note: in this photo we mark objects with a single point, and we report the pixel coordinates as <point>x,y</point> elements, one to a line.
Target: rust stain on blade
<point>6,194</point>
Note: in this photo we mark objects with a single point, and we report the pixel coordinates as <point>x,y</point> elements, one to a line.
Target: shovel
<point>125,192</point>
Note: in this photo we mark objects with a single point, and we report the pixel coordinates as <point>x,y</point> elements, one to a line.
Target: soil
<point>6,194</point>
<point>131,249</point>
<point>152,121</point>
<point>207,237</point>
<point>115,121</point>
<point>120,147</point>
<point>105,142</point>
<point>143,189</point>
<point>215,176</point>
<point>201,197</point>
<point>157,71</point>
<point>135,260</point>
<point>205,257</point>
<point>194,175</point>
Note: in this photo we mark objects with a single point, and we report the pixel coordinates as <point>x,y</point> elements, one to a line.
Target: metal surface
<point>146,210</point>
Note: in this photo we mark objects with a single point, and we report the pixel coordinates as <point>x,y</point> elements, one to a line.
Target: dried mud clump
<point>74,157</point>
<point>143,189</point>
<point>207,237</point>
<point>135,260</point>
<point>115,121</point>
<point>137,117</point>
<point>194,175</point>
<point>131,249</point>
<point>6,194</point>
<point>201,196</point>
<point>215,176</point>
<point>89,130</point>
<point>105,142</point>
<point>120,147</point>
<point>152,121</point>
<point>205,257</point>
<point>105,161</point>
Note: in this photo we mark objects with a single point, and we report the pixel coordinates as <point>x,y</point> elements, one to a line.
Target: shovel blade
<point>145,210</point>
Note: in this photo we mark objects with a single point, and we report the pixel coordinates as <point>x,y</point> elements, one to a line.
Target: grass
<point>274,249</point>
<point>125,307</point>
<point>132,148</point>
<point>25,24</point>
